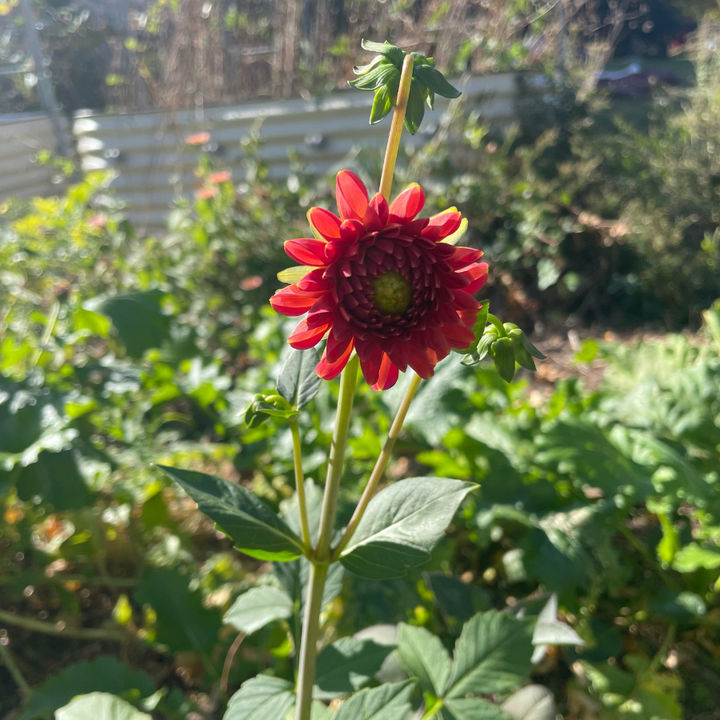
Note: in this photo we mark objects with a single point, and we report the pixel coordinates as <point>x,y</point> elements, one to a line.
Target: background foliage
<point>598,480</point>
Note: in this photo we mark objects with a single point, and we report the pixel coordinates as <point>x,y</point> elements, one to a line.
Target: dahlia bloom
<point>381,282</point>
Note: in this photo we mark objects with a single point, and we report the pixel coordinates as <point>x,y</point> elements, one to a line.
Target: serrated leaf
<point>261,698</point>
<point>435,81</point>
<point>183,622</point>
<point>471,709</point>
<point>387,702</point>
<point>492,655</point>
<point>254,528</point>
<point>423,656</point>
<point>100,706</point>
<point>258,607</point>
<point>402,525</point>
<point>104,674</point>
<point>347,665</point>
<point>533,702</point>
<point>298,382</point>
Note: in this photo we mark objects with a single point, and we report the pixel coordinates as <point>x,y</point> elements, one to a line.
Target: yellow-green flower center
<point>392,293</point>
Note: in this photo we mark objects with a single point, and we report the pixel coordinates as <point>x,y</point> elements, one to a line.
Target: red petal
<point>337,347</point>
<point>291,302</point>
<point>407,204</point>
<point>307,251</point>
<point>442,225</point>
<point>376,215</point>
<point>371,357</point>
<point>327,224</point>
<point>352,197</point>
<point>304,337</point>
<point>350,230</point>
<point>477,275</point>
<point>464,256</point>
<point>420,363</point>
<point>458,336</point>
<point>387,376</point>
<point>330,370</point>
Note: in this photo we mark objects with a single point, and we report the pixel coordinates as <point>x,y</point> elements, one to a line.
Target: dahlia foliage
<point>383,283</point>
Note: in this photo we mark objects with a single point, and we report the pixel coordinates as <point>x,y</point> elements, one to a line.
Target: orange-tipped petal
<point>477,275</point>
<point>442,225</point>
<point>307,251</point>
<point>304,337</point>
<point>330,370</point>
<point>324,223</point>
<point>407,204</point>
<point>292,303</point>
<point>352,196</point>
<point>387,376</point>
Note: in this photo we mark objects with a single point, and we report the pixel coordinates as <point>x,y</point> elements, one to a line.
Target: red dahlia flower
<point>383,283</point>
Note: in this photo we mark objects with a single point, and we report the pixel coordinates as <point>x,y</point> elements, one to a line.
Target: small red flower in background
<point>220,176</point>
<point>206,192</point>
<point>198,138</point>
<point>383,283</point>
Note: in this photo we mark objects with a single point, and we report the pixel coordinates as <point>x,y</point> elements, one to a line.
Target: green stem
<point>321,557</point>
<point>396,128</point>
<point>9,662</point>
<point>300,483</point>
<point>60,630</point>
<point>47,333</point>
<point>380,465</point>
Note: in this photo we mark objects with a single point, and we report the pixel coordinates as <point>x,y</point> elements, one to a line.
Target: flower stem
<point>47,333</point>
<point>9,661</point>
<point>300,483</point>
<point>393,144</point>
<point>380,465</point>
<point>321,557</point>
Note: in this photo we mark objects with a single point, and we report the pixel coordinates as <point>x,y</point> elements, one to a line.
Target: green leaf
<point>478,328</point>
<point>415,107</point>
<point>183,622</point>
<point>471,709</point>
<point>692,557</point>
<point>402,525</point>
<point>258,607</point>
<point>91,323</point>
<point>261,698</point>
<point>435,81</point>
<point>347,665</point>
<point>104,674</point>
<point>492,655</point>
<point>55,478</point>
<point>387,702</point>
<point>551,631</point>
<point>382,74</point>
<point>393,53</point>
<point>533,702</point>
<point>100,706</point>
<point>254,528</point>
<point>298,382</point>
<point>383,103</point>
<point>503,355</point>
<point>457,601</point>
<point>423,656</point>
<point>138,319</point>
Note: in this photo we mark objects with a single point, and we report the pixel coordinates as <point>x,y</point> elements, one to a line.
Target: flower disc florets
<point>378,281</point>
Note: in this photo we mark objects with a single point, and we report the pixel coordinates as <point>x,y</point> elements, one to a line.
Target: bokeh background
<point>154,156</point>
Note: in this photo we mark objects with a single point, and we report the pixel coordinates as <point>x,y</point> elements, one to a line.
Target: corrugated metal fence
<point>21,138</point>
<point>155,165</point>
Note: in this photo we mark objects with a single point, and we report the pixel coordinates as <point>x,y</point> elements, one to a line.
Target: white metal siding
<point>155,166</point>
<point>21,138</point>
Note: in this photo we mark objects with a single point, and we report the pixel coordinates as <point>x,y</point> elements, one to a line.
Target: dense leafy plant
<point>596,504</point>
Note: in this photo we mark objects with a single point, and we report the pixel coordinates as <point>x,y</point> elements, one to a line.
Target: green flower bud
<point>503,354</point>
